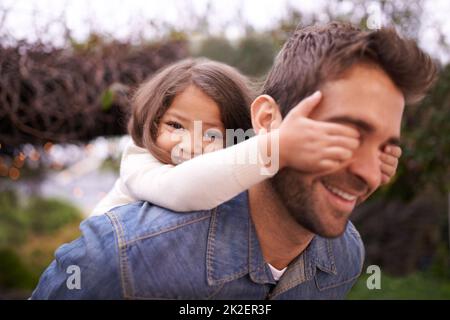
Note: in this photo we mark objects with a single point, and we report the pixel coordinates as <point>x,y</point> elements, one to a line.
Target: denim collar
<point>233,249</point>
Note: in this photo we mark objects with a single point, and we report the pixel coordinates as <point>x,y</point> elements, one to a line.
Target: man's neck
<point>281,238</point>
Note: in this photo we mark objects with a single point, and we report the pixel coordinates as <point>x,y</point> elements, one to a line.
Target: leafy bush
<point>219,49</point>
<point>419,285</point>
<point>29,235</point>
<point>253,55</point>
<point>13,272</point>
<point>48,215</point>
<point>38,216</point>
<point>14,223</point>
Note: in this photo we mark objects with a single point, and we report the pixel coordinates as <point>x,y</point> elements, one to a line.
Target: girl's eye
<point>174,125</point>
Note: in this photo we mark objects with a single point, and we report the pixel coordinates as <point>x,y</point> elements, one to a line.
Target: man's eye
<point>174,125</point>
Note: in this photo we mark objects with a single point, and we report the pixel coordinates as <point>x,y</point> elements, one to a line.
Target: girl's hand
<point>389,161</point>
<point>314,146</point>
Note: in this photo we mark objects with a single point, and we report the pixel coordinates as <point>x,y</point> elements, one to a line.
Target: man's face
<point>365,99</point>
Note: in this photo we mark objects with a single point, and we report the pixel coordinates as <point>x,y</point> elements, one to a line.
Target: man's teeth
<point>340,193</point>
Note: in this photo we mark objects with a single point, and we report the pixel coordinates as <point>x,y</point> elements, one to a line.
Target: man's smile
<point>341,196</point>
<point>340,193</point>
<point>335,200</point>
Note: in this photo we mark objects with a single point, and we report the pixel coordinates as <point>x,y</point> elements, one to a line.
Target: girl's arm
<point>201,183</point>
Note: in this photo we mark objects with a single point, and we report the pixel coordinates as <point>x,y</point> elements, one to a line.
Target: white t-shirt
<point>276,273</point>
<point>201,183</point>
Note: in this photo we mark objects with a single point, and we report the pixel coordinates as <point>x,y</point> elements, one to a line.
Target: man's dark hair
<point>316,54</point>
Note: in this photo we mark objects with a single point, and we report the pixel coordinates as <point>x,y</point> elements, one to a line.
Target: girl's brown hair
<point>222,83</point>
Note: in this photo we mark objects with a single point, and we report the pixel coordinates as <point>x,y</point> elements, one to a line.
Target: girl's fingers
<point>337,153</point>
<point>389,160</point>
<point>393,150</point>
<point>385,179</point>
<point>329,164</point>
<point>305,107</point>
<point>338,129</point>
<point>343,141</point>
<point>387,170</point>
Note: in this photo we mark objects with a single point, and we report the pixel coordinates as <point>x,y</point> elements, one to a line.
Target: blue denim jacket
<point>142,251</point>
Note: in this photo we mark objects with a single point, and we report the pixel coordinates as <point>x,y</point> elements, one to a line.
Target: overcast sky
<point>122,19</point>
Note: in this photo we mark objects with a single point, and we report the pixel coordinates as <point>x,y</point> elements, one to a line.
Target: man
<point>294,225</point>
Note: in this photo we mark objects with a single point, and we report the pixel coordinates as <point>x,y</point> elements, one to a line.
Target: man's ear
<point>265,113</point>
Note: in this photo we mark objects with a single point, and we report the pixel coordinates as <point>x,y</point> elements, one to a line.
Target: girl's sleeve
<point>201,183</point>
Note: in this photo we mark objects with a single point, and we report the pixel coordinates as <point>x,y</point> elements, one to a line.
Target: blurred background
<point>66,71</point>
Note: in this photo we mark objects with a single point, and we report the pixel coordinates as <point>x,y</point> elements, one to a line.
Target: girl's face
<point>191,126</point>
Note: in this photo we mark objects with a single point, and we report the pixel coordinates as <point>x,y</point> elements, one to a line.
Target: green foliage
<point>14,224</point>
<point>441,265</point>
<point>93,42</point>
<point>415,286</point>
<point>38,216</point>
<point>426,144</point>
<point>21,227</point>
<point>48,215</point>
<point>253,55</point>
<point>219,49</point>
<point>107,99</point>
<point>177,35</point>
<point>13,271</point>
<point>111,164</point>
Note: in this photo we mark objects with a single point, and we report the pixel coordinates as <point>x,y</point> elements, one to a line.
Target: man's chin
<point>332,211</point>
<point>333,230</point>
<point>311,205</point>
<point>326,224</point>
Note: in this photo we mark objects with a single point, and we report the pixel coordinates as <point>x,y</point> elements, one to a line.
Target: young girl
<point>170,164</point>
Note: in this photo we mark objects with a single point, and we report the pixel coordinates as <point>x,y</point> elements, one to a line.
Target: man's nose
<point>366,165</point>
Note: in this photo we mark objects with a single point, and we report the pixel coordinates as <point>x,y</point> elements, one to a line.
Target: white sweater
<point>201,183</point>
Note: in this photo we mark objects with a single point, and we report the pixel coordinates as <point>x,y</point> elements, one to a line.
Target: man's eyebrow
<point>361,125</point>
